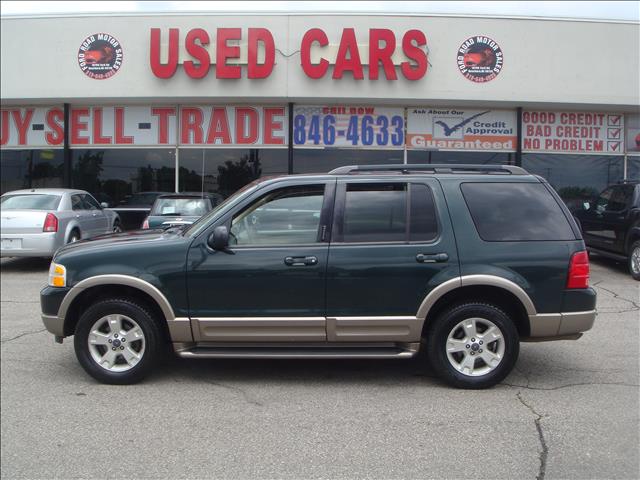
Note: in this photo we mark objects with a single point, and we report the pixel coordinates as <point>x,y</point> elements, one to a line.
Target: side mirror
<point>586,205</point>
<point>104,205</point>
<point>219,239</point>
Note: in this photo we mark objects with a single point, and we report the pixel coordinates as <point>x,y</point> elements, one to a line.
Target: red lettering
<point>348,45</point>
<point>381,55</point>
<point>219,127</point>
<point>191,121</point>
<point>121,139</point>
<point>163,122</point>
<point>98,139</point>
<point>198,52</point>
<point>4,135</point>
<point>254,69</point>
<point>77,126</point>
<point>22,124</point>
<point>244,135</point>
<point>319,70</point>
<point>415,53</point>
<point>224,51</point>
<point>55,121</point>
<point>169,69</point>
<point>271,126</point>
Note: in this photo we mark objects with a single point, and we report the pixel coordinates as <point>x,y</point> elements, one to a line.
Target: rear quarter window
<point>515,212</point>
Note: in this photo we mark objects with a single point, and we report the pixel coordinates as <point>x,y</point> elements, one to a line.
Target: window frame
<point>340,204</point>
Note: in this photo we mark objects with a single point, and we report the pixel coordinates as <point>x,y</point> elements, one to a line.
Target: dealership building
<point>122,104</point>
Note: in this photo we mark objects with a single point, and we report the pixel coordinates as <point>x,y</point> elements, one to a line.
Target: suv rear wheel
<point>473,345</point>
<point>117,341</point>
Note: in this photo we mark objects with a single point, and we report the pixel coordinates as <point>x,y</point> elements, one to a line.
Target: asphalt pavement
<point>569,410</point>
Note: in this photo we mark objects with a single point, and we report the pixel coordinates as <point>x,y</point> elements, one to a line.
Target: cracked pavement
<point>569,410</point>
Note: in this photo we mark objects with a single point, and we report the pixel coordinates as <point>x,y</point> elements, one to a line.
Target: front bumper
<point>50,300</point>
<point>29,244</point>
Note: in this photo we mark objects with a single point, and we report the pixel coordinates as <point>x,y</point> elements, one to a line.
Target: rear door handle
<point>431,258</point>
<point>300,261</point>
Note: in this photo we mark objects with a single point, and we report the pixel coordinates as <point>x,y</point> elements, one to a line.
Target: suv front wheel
<point>473,345</point>
<point>117,341</point>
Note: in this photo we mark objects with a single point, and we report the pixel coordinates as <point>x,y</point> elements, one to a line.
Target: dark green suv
<point>364,262</point>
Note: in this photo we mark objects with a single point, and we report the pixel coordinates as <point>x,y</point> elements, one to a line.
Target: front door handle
<point>431,258</point>
<point>300,261</point>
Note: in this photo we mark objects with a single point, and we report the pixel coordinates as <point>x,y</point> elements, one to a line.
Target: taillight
<point>50,223</point>
<point>578,271</point>
<point>145,224</point>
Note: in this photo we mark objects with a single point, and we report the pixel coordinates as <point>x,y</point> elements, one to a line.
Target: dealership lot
<point>569,410</point>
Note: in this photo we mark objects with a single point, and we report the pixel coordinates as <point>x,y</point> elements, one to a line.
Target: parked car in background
<point>177,209</point>
<point>611,224</point>
<point>135,208</point>
<point>36,222</point>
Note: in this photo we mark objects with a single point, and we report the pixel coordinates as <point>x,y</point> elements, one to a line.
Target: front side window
<point>91,203</point>
<point>287,216</point>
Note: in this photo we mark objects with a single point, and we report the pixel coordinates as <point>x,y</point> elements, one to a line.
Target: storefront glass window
<point>325,160</point>
<point>223,171</point>
<point>576,177</point>
<point>633,167</point>
<point>31,169</point>
<point>112,175</point>
<point>472,158</point>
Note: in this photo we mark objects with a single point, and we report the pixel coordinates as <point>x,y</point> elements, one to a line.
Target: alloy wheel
<point>475,347</point>
<point>116,343</point>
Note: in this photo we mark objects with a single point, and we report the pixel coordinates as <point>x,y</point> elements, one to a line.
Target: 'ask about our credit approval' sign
<point>573,132</point>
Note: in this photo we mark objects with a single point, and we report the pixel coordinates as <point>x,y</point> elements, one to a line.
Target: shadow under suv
<point>364,262</point>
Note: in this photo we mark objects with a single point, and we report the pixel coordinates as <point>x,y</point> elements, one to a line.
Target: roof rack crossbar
<point>431,167</point>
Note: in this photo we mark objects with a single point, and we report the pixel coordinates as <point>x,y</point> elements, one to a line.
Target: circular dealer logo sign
<point>480,59</point>
<point>100,56</point>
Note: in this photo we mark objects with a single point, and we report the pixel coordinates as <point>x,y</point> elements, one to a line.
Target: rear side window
<point>515,212</point>
<point>387,212</point>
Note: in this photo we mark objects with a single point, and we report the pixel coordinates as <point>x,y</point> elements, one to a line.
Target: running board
<point>297,352</point>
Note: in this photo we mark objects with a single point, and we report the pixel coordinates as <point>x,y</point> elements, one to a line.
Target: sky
<point>608,10</point>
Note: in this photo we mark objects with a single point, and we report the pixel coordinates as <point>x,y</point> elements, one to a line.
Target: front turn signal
<point>57,275</point>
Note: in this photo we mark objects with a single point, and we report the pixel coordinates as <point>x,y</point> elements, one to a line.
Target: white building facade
<point>122,104</point>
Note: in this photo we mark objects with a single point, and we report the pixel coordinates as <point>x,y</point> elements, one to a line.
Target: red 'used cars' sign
<point>348,60</point>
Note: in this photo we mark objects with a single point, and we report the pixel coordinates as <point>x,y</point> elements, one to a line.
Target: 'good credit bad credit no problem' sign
<point>572,132</point>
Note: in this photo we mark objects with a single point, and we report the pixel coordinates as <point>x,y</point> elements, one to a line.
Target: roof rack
<point>431,168</point>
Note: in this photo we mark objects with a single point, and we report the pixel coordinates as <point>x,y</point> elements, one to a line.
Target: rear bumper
<point>30,244</point>
<point>561,324</point>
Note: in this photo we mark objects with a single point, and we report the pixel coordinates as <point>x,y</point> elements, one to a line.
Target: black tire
<point>635,247</point>
<point>74,236</point>
<point>438,333</point>
<point>153,341</point>
<point>116,227</point>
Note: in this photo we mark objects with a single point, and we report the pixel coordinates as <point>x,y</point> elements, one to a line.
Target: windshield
<point>202,222</point>
<point>181,206</point>
<point>29,202</point>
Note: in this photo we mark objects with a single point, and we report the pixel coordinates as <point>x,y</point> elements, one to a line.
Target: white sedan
<point>36,222</point>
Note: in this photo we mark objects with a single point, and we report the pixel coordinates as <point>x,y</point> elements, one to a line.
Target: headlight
<point>57,275</point>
